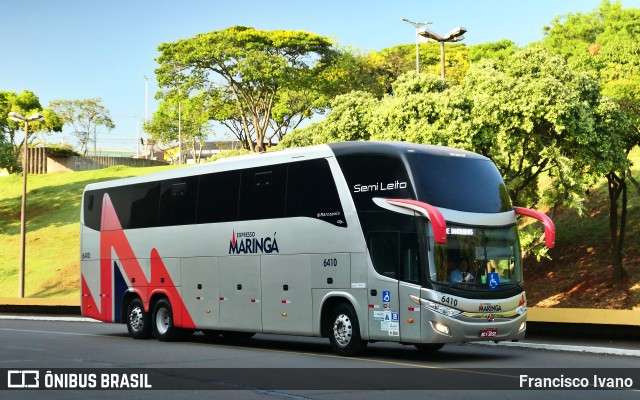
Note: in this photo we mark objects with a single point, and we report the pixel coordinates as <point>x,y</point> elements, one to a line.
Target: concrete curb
<point>53,305</point>
<point>33,301</point>
<point>584,316</point>
<point>564,347</point>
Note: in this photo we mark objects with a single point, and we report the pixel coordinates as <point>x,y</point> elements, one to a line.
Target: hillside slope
<point>52,266</point>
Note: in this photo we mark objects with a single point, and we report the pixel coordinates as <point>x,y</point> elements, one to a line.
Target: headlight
<point>437,307</point>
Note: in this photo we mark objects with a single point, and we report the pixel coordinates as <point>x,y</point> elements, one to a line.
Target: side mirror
<point>549,227</point>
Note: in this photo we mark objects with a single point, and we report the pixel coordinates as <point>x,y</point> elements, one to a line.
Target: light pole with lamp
<point>455,35</point>
<point>146,108</point>
<point>418,25</point>
<point>179,127</point>
<point>25,166</point>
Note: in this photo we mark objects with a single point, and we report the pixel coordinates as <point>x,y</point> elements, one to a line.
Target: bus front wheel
<point>163,327</point>
<point>344,331</point>
<point>138,321</point>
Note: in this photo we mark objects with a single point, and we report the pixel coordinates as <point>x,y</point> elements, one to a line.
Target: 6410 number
<point>330,262</point>
<point>449,300</point>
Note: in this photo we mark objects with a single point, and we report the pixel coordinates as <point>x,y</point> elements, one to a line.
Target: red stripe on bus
<point>89,307</point>
<point>115,240</point>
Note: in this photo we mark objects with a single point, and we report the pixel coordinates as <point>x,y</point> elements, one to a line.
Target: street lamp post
<point>455,35</point>
<point>179,132</point>
<point>146,104</point>
<point>418,25</point>
<point>25,165</point>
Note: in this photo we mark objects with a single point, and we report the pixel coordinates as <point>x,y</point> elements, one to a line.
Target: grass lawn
<point>52,266</point>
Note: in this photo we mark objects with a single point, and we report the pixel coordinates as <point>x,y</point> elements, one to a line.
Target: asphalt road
<point>307,366</point>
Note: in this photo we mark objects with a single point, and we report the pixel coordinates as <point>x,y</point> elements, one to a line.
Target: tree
<point>529,113</point>
<point>250,73</point>
<point>494,50</point>
<point>87,118</point>
<point>392,62</point>
<point>194,124</point>
<point>605,41</point>
<point>26,104</point>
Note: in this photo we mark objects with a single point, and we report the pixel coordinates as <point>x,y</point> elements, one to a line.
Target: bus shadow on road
<point>391,352</point>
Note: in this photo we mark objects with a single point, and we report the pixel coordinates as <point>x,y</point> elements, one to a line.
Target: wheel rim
<point>162,320</point>
<point>342,330</point>
<point>136,319</point>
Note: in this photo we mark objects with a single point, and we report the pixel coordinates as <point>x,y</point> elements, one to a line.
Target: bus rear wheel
<point>344,331</point>
<point>162,320</point>
<point>138,321</point>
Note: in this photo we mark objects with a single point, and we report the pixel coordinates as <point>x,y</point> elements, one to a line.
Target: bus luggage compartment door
<point>286,294</point>
<point>240,293</point>
<point>200,291</point>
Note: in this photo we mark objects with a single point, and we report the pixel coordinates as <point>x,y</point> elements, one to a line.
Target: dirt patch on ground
<point>582,277</point>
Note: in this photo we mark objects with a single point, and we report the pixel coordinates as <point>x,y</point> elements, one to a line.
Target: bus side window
<point>178,201</point>
<point>262,192</point>
<point>312,192</point>
<point>93,209</point>
<point>218,196</point>
<point>136,205</point>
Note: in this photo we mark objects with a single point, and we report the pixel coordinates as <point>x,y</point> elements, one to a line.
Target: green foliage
<point>61,150</point>
<point>26,104</point>
<point>186,116</point>
<point>493,50</point>
<point>605,42</point>
<point>86,117</point>
<point>8,158</point>
<point>529,113</point>
<point>349,120</point>
<point>264,81</point>
<point>392,62</point>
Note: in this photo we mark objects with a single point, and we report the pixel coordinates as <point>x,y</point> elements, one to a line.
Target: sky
<point>74,49</point>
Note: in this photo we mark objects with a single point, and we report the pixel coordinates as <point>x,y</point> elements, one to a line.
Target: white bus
<point>358,242</point>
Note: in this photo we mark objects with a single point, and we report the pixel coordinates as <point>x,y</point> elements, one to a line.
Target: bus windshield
<point>478,258</point>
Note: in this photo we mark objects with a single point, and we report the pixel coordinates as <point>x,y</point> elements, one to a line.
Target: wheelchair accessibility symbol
<point>386,296</point>
<point>493,280</point>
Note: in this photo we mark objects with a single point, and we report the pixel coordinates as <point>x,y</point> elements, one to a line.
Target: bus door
<point>396,260</point>
<point>409,270</point>
<point>383,309</point>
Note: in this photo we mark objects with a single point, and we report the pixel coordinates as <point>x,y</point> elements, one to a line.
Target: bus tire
<point>429,348</point>
<point>344,331</point>
<point>163,328</point>
<point>138,321</point>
